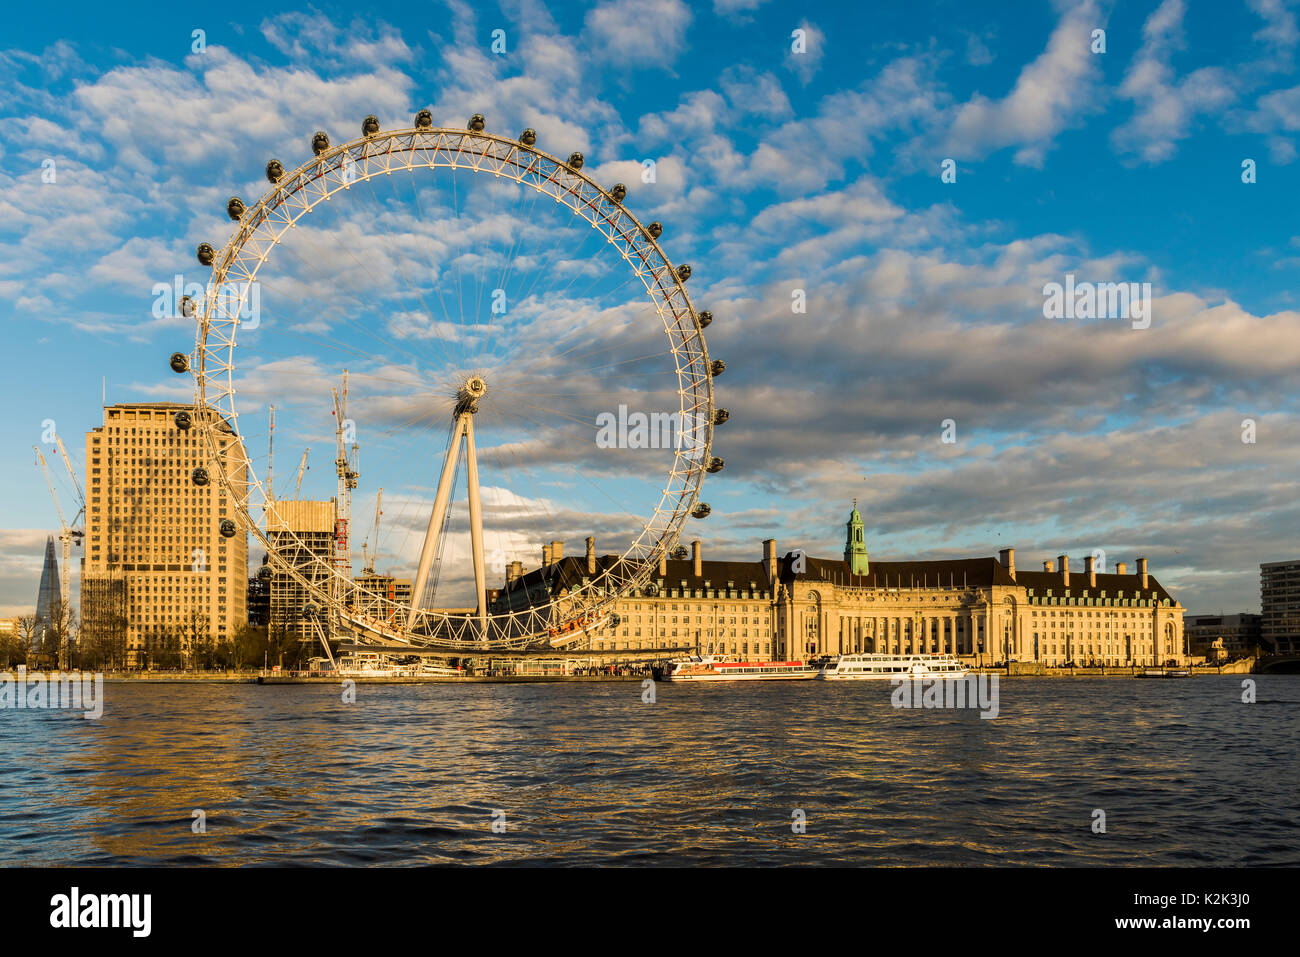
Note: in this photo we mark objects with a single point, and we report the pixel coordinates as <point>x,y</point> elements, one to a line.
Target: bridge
<point>1288,664</point>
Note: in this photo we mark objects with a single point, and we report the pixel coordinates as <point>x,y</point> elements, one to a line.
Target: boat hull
<point>888,677</point>
<point>789,676</point>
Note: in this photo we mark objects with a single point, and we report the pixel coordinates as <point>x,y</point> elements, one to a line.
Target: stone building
<point>981,608</point>
<point>153,542</point>
<point>795,606</point>
<point>716,607</point>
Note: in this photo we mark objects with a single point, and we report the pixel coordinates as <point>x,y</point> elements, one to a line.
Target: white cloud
<point>805,61</point>
<point>1166,107</point>
<point>1051,94</point>
<point>637,32</point>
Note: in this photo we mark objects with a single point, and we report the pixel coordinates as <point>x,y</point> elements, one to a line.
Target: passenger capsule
<point>717,367</point>
<point>575,161</point>
<point>264,573</point>
<point>235,208</point>
<point>182,420</point>
<point>705,318</point>
<point>200,476</point>
<point>320,142</point>
<point>423,120</point>
<point>187,307</point>
<point>720,416</point>
<point>619,192</point>
<point>228,528</point>
<point>701,511</point>
<point>655,230</point>
<point>650,590</point>
<point>715,465</point>
<point>179,362</point>
<point>370,125</point>
<point>528,137</point>
<point>683,272</point>
<point>274,171</point>
<point>476,123</point>
<point>206,254</point>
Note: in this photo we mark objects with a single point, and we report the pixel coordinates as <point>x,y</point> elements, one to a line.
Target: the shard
<point>49,597</point>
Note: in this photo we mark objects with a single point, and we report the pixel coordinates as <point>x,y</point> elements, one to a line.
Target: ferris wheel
<point>482,388</point>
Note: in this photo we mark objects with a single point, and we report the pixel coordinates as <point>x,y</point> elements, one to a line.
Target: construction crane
<point>368,554</point>
<point>345,468</point>
<point>302,468</point>
<point>67,534</point>
<point>269,491</point>
<point>67,463</point>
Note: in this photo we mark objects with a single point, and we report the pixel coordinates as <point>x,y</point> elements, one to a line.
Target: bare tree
<point>198,639</point>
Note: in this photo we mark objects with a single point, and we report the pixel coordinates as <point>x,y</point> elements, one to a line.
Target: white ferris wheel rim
<point>296,194</point>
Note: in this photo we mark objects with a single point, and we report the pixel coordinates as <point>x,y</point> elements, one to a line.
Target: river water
<point>1184,771</point>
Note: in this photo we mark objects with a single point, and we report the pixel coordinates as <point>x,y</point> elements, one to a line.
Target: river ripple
<point>709,774</point>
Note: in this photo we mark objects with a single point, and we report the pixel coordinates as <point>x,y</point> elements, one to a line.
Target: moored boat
<point>710,668</point>
<point>881,667</point>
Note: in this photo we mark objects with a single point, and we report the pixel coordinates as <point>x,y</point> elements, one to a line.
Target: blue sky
<point>777,171</point>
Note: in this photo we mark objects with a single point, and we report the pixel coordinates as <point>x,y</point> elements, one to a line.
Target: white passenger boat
<point>723,668</point>
<point>368,664</point>
<point>880,667</point>
<point>430,670</point>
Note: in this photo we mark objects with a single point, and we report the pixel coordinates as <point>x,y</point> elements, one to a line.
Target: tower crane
<point>67,463</point>
<point>368,554</point>
<point>270,459</point>
<point>302,467</point>
<point>345,468</point>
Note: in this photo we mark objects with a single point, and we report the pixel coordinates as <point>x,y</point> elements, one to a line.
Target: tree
<point>13,650</point>
<point>248,646</point>
<point>57,647</point>
<point>282,642</point>
<point>198,640</point>
<point>27,631</point>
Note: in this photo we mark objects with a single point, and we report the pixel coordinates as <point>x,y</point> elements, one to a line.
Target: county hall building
<point>795,606</point>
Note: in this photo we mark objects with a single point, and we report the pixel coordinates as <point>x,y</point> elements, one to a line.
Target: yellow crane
<point>302,468</point>
<point>368,554</point>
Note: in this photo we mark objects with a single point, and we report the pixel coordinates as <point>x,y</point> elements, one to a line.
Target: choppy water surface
<point>586,773</point>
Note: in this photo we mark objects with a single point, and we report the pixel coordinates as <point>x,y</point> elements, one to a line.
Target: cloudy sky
<point>914,177</point>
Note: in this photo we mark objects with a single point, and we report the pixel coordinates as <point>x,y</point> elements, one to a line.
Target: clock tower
<point>855,545</point>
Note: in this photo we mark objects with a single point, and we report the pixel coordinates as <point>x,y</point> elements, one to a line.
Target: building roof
<point>569,571</point>
<point>956,573</point>
<point>964,573</point>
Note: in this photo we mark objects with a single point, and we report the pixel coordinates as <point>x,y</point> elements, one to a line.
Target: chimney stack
<point>1049,566</point>
<point>1090,566</point>
<point>663,564</point>
<point>1008,558</point>
<point>697,558</point>
<point>546,556</point>
<point>1142,571</point>
<point>1064,561</point>
<point>557,552</point>
<point>591,555</point>
<point>1121,568</point>
<point>769,558</point>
